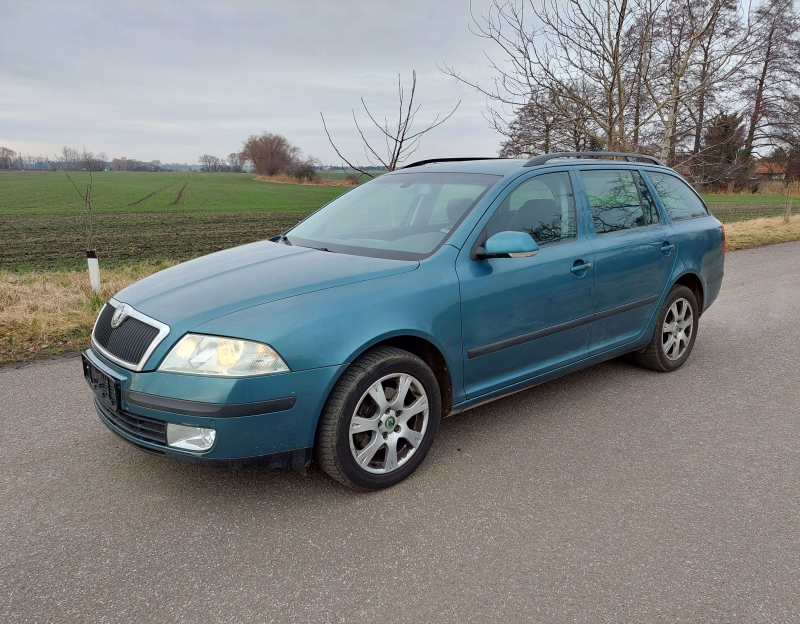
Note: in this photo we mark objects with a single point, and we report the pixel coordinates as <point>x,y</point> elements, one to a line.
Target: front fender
<point>332,327</point>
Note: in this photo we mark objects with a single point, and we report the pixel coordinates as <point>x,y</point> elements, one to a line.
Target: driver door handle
<point>580,268</point>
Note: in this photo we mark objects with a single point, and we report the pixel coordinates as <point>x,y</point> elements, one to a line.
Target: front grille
<point>129,341</point>
<point>139,427</point>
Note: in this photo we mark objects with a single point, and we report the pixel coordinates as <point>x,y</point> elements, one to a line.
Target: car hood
<point>199,290</point>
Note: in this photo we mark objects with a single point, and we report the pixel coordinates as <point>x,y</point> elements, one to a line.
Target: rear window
<point>680,201</point>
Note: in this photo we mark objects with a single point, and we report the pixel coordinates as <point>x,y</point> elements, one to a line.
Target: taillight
<point>723,240</point>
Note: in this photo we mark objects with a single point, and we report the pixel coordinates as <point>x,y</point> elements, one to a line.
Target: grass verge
<point>759,232</point>
<point>284,178</point>
<point>48,313</point>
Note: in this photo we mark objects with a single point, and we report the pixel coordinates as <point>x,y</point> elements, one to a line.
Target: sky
<point>172,80</point>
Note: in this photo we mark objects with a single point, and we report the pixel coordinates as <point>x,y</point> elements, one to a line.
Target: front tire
<point>379,421</point>
<point>674,333</point>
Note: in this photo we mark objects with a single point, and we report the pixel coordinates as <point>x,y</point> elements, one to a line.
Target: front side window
<point>615,200</point>
<point>678,199</point>
<point>543,206</point>
<point>404,216</point>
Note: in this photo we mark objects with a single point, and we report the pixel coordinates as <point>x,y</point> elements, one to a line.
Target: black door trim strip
<point>207,410</point>
<point>554,329</point>
<point>626,307</point>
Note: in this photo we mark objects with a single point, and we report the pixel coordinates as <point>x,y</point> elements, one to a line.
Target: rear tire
<point>674,333</point>
<point>379,421</point>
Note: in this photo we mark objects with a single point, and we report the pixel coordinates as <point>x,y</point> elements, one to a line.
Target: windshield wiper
<point>322,249</point>
<point>282,238</point>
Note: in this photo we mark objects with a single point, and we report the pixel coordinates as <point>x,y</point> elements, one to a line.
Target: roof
<point>503,166</point>
<point>493,166</point>
<point>770,168</point>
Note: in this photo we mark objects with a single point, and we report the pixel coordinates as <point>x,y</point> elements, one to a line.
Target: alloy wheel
<point>389,423</point>
<point>676,333</point>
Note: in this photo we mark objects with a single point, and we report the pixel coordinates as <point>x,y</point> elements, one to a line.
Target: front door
<point>524,316</point>
<point>634,252</point>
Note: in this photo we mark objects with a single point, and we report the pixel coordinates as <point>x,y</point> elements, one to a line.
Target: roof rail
<point>438,160</point>
<point>540,160</point>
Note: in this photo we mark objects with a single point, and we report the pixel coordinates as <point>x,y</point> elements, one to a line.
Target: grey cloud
<point>171,80</point>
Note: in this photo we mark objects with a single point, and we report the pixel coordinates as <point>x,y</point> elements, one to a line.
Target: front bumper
<point>276,430</point>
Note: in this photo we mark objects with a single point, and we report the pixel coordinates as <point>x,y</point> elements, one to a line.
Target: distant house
<point>770,171</point>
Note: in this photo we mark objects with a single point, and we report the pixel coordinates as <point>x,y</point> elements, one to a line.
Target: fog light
<point>190,438</point>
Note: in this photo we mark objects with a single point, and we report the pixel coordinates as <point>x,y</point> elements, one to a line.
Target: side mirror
<point>509,245</point>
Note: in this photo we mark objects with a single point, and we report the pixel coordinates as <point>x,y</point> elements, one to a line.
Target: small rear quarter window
<point>680,201</point>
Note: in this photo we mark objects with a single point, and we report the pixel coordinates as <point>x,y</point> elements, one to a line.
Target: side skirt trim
<point>554,329</point>
<point>527,384</point>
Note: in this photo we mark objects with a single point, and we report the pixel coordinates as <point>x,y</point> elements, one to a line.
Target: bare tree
<point>579,61</point>
<point>616,71</point>
<point>7,158</point>
<point>89,161</point>
<point>86,196</point>
<point>210,163</point>
<point>70,159</point>
<point>726,27</point>
<point>681,30</point>
<point>400,140</point>
<point>270,153</point>
<point>538,128</point>
<point>771,84</point>
<point>236,161</point>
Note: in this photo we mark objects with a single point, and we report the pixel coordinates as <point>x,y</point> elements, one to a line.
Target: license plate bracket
<point>105,387</point>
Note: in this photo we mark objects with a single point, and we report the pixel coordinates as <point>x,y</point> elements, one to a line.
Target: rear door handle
<point>581,268</point>
<point>667,247</point>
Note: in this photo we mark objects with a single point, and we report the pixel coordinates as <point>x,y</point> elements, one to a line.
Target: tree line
<point>72,159</point>
<point>709,86</point>
<point>234,163</point>
<point>131,164</point>
<point>268,154</point>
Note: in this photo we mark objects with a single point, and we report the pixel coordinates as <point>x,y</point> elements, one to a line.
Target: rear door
<point>634,252</point>
<point>524,316</point>
<point>699,233</point>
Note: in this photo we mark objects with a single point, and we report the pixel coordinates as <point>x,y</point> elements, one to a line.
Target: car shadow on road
<point>528,410</point>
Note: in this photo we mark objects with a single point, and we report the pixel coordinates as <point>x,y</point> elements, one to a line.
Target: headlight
<point>196,354</point>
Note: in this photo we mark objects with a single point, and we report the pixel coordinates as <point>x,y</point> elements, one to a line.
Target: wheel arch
<point>693,282</point>
<point>426,349</point>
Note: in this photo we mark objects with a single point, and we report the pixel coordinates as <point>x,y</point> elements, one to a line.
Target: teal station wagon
<point>422,293</point>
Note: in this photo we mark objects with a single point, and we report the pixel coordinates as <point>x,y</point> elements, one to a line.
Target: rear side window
<point>679,200</point>
<point>616,201</point>
<point>543,206</point>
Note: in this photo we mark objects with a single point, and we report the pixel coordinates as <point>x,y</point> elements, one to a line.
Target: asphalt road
<point>613,494</point>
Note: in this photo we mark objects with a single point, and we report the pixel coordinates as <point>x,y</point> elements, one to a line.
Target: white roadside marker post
<point>94,270</point>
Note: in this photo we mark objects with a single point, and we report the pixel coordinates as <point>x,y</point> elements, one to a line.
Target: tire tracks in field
<point>146,197</point>
<point>180,194</point>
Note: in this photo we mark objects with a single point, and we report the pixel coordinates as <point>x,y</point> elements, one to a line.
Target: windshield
<point>401,216</point>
